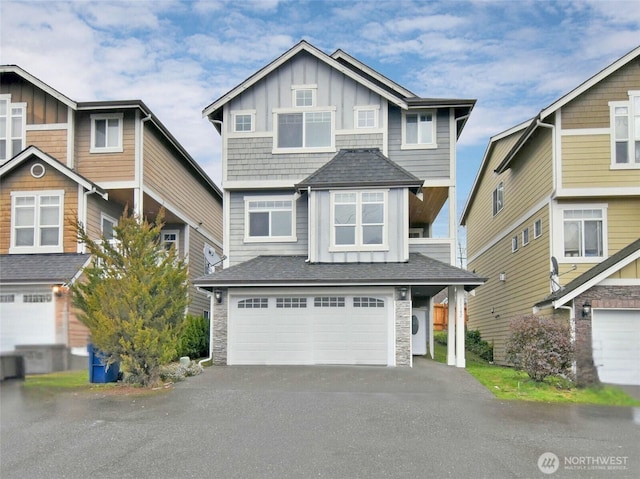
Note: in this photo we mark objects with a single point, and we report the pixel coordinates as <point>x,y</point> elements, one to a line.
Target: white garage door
<point>26,317</point>
<point>616,345</point>
<point>324,329</point>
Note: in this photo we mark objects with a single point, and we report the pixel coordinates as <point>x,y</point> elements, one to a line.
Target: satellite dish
<point>211,256</point>
<point>554,266</point>
<point>555,280</point>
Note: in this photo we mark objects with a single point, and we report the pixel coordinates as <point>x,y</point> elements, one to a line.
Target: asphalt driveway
<point>307,422</point>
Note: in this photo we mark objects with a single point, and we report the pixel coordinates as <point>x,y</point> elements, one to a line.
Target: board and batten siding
<point>42,108</point>
<point>251,158</point>
<point>333,89</point>
<point>427,164</point>
<point>239,251</point>
<point>591,108</point>
<point>497,302</point>
<point>52,142</point>
<point>168,176</point>
<point>396,217</point>
<point>20,179</point>
<point>586,163</point>
<point>100,167</point>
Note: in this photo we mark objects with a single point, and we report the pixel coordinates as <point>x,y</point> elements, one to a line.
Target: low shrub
<point>440,337</point>
<point>193,340</point>
<point>175,372</point>
<point>477,345</point>
<point>540,346</point>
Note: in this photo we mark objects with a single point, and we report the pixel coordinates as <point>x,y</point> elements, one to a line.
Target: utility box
<point>98,371</point>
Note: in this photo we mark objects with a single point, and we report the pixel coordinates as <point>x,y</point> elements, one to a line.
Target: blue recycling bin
<point>98,371</point>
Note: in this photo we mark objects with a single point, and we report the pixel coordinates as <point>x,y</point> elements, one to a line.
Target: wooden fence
<point>441,317</point>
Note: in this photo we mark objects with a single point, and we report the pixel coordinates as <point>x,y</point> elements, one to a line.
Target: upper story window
<point>537,229</point>
<point>170,239</point>
<point>36,221</point>
<point>366,117</point>
<point>584,232</point>
<point>625,128</point>
<point>514,244</point>
<point>269,218</point>
<point>106,133</point>
<point>107,226</point>
<point>307,129</point>
<point>419,129</point>
<point>244,121</point>
<point>358,219</point>
<point>525,236</point>
<point>12,127</point>
<point>304,95</point>
<point>498,198</point>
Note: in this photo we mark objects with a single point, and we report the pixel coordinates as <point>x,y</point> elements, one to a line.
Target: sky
<point>514,57</point>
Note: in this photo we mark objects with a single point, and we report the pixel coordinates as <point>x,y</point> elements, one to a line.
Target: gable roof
<point>360,168</point>
<point>39,83</point>
<point>41,268</point>
<point>530,126</point>
<point>296,271</point>
<point>593,276</point>
<point>33,151</point>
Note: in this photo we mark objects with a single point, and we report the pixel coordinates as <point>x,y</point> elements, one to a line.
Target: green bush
<point>473,343</point>
<point>440,337</point>
<point>540,346</point>
<point>193,340</point>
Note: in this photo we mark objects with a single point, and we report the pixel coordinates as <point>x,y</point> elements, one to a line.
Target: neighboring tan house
<point>553,220</point>
<point>333,176</point>
<point>62,161</point>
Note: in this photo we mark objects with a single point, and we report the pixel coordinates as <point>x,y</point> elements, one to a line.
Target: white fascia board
<point>596,280</point>
<point>342,285</point>
<point>260,184</point>
<point>567,193</point>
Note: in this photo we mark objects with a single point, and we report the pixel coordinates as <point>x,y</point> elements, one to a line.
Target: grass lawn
<point>507,383</point>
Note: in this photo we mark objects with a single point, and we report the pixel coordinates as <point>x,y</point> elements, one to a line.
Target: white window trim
<point>558,242</point>
<point>376,114</point>
<point>236,113</point>
<point>514,244</point>
<point>119,148</point>
<point>270,239</point>
<point>494,196</point>
<point>314,96</point>
<point>111,219</point>
<point>631,113</point>
<point>59,248</point>
<point>9,133</point>
<point>419,146</point>
<point>176,243</point>
<point>525,241</point>
<point>358,246</point>
<point>320,149</point>
<point>537,234</point>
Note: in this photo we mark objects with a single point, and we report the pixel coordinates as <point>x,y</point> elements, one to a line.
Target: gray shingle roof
<point>592,273</point>
<point>296,271</point>
<point>358,168</point>
<point>40,268</point>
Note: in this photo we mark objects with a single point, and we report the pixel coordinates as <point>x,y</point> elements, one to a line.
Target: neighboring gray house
<point>333,177</point>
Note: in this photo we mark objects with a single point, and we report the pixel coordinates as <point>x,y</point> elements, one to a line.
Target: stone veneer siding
<point>403,333</point>
<point>220,314</point>
<point>612,297</point>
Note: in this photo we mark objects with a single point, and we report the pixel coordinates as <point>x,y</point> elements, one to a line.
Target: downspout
<point>309,237</point>
<point>572,326</point>
<point>210,295</point>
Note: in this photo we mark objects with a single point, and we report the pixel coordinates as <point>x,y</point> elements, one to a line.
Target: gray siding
<point>426,164</point>
<point>396,216</point>
<point>439,251</point>
<point>239,251</point>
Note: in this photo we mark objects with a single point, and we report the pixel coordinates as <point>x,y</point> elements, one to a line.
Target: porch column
<point>451,327</point>
<point>460,333</point>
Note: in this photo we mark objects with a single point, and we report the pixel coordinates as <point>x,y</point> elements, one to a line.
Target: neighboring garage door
<point>616,345</point>
<point>322,329</point>
<point>26,317</point>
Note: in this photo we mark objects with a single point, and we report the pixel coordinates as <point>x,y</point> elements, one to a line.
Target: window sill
<point>358,249</point>
<point>35,249</point>
<point>581,259</point>
<point>287,239</point>
<point>426,146</point>
<point>625,166</point>
<point>323,149</point>
<point>106,150</point>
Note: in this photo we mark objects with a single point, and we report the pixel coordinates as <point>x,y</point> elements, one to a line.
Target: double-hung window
<point>498,198</point>
<point>269,219</point>
<point>36,222</point>
<point>419,129</point>
<point>584,234</point>
<point>12,127</point>
<point>625,132</point>
<point>106,133</point>
<point>359,220</point>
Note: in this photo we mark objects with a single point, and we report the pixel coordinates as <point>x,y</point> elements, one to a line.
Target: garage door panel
<point>616,345</point>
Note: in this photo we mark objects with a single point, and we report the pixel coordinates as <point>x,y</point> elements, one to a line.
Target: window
<point>12,127</point>
<point>7,298</point>
<point>170,238</point>
<point>525,236</point>
<point>37,298</point>
<point>583,233</point>
<point>288,303</point>
<point>107,225</point>
<point>253,303</point>
<point>418,130</point>
<point>625,128</point>
<point>269,219</point>
<point>359,219</point>
<point>329,302</point>
<point>498,199</point>
<point>106,133</point>
<point>309,129</point>
<point>36,222</point>
<point>514,244</point>
<point>243,121</point>
<point>365,302</point>
<point>304,95</point>
<point>537,229</point>
<point>366,117</point>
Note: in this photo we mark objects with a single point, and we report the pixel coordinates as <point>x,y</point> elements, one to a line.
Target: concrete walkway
<point>303,422</point>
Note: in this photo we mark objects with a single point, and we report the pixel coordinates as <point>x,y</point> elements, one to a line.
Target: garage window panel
<point>329,301</point>
<point>36,298</point>
<point>365,302</point>
<point>291,303</point>
<point>7,298</point>
<point>253,303</point>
